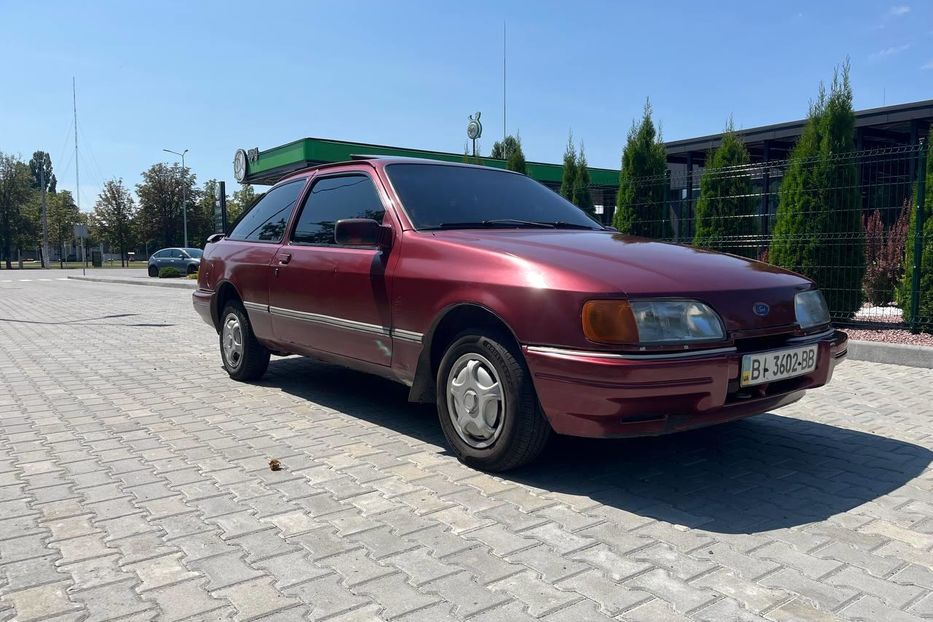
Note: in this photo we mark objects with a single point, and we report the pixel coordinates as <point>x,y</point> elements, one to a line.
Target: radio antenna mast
<point>503,81</point>
<point>74,103</point>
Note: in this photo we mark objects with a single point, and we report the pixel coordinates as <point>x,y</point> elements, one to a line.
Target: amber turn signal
<point>609,321</point>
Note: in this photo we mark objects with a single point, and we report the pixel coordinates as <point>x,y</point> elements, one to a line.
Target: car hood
<point>606,263</point>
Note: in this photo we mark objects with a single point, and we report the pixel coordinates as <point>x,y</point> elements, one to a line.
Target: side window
<point>265,222</point>
<point>161,254</point>
<point>332,199</point>
<point>175,254</point>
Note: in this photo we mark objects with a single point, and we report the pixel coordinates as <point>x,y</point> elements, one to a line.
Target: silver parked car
<point>185,260</point>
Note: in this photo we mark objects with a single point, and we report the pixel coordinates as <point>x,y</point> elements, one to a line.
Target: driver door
<point>324,296</point>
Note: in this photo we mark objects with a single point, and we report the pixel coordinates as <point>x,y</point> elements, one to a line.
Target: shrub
<point>884,256</point>
<point>169,273</point>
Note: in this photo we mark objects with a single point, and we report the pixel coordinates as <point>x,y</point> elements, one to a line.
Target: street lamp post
<point>184,193</point>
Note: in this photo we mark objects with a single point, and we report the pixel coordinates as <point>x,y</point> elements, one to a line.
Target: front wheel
<point>243,356</point>
<point>487,405</point>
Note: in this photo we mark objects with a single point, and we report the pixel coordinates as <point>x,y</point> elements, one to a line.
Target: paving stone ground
<point>134,486</point>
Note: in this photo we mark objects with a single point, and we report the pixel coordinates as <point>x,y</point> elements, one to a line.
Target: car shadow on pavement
<point>763,473</point>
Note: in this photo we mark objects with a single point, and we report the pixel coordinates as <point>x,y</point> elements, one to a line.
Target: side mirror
<point>215,237</point>
<point>360,232</point>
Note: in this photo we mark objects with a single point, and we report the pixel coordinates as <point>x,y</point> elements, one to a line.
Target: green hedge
<point>169,273</point>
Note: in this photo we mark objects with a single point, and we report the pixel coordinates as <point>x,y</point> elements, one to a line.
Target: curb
<point>149,281</point>
<point>891,353</point>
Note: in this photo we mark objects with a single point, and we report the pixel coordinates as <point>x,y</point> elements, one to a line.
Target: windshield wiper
<point>562,224</point>
<point>496,222</point>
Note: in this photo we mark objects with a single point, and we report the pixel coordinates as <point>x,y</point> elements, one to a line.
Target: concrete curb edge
<point>891,353</point>
<point>149,282</point>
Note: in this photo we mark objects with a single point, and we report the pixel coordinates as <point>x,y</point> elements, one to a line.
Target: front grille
<point>757,344</point>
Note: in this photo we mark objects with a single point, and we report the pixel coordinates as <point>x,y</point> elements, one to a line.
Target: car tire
<point>153,271</point>
<point>192,269</point>
<point>243,356</point>
<point>479,362</point>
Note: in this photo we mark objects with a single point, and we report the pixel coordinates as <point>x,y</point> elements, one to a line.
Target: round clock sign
<point>239,165</point>
<point>474,127</point>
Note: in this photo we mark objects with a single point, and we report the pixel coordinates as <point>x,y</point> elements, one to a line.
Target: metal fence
<point>848,230</point>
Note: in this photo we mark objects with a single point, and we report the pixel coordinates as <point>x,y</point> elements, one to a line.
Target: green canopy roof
<point>273,164</point>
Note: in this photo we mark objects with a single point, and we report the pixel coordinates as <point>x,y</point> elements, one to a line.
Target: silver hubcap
<point>232,341</point>
<point>475,400</point>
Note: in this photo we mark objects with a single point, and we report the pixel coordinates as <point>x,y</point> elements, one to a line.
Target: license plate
<point>777,365</point>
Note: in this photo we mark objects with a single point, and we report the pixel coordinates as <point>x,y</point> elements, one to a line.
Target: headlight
<point>650,322</point>
<point>811,309</point>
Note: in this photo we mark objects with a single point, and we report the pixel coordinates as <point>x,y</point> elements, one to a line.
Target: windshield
<point>436,196</point>
<point>194,252</point>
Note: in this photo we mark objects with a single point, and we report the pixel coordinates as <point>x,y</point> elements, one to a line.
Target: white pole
<point>503,82</point>
<point>184,197</point>
<point>74,102</point>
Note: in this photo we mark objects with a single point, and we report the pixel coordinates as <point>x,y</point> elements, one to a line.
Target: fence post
<point>918,240</point>
<point>668,209</point>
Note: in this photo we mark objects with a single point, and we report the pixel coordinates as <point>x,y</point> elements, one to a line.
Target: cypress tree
<point>903,297</point>
<point>581,185</point>
<point>569,173</point>
<point>516,159</point>
<point>819,221</point>
<point>725,212</point>
<point>640,203</point>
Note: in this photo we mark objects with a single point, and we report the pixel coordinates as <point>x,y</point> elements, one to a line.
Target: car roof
<point>379,161</point>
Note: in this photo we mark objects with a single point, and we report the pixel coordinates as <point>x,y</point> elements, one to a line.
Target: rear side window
<point>266,221</point>
<point>336,198</point>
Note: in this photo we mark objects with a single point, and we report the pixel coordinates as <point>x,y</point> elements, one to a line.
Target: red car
<point>492,296</point>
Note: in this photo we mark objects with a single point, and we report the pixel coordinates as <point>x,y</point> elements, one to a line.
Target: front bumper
<point>596,394</point>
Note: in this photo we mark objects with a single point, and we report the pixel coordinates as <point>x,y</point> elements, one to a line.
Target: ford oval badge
<point>761,309</point>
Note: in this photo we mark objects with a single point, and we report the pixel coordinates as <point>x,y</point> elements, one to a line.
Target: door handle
<point>284,258</point>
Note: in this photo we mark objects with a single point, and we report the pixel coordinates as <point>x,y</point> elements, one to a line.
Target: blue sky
<point>215,76</point>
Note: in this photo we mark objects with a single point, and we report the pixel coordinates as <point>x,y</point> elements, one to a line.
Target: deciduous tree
<point>15,191</point>
<point>113,216</point>
<point>241,201</point>
<point>501,150</point>
<point>160,193</point>
<point>63,216</point>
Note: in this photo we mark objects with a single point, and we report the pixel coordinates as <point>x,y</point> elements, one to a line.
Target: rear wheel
<point>243,356</point>
<point>487,405</point>
<point>153,271</point>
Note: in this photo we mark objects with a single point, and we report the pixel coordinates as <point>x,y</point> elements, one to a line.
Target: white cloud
<point>929,65</point>
<point>899,10</point>
<point>891,51</point>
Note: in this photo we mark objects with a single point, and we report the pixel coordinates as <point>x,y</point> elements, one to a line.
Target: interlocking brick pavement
<point>134,485</point>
